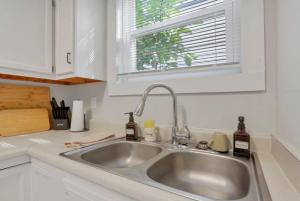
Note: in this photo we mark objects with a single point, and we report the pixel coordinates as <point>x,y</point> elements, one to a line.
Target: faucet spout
<point>140,108</point>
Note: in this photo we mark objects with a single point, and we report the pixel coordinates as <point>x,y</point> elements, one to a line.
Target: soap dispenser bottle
<point>241,140</point>
<point>131,128</point>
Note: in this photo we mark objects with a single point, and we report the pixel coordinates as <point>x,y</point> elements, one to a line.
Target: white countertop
<point>279,186</point>
<point>46,147</point>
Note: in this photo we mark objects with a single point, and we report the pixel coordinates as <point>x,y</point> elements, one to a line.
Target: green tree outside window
<point>161,50</point>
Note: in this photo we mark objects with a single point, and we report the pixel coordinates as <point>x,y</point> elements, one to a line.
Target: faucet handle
<point>184,135</point>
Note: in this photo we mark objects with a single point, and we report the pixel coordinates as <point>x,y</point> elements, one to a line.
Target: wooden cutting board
<point>19,97</point>
<point>23,121</point>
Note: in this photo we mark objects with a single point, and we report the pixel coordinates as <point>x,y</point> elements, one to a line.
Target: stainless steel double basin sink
<point>199,175</point>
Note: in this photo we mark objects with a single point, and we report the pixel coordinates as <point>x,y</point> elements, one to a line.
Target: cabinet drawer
<point>80,190</point>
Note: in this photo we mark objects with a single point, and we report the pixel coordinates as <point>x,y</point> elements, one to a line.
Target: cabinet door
<point>46,185</point>
<point>64,36</point>
<point>77,189</point>
<point>90,38</point>
<point>26,35</point>
<point>14,183</point>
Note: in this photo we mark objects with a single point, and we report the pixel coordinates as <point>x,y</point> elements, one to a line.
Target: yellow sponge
<point>149,123</point>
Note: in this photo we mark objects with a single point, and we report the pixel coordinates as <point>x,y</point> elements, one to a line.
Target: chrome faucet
<point>175,130</point>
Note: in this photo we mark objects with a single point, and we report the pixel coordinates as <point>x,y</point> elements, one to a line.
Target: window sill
<point>219,82</point>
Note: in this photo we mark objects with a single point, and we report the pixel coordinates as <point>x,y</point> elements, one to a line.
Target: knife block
<point>61,118</point>
<point>60,124</point>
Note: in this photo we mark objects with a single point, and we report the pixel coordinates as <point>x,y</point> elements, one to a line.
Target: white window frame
<point>248,75</point>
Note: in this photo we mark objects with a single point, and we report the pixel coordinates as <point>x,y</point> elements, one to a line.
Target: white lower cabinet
<point>14,185</point>
<point>46,183</point>
<point>52,184</point>
<point>77,189</point>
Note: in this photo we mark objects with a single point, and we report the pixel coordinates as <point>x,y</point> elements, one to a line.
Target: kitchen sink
<point>211,176</point>
<point>185,171</point>
<point>121,155</point>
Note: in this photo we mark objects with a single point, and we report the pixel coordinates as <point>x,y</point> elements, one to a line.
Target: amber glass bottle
<point>241,140</point>
<point>131,128</point>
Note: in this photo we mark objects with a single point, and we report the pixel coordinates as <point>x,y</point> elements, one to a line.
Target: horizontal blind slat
<point>171,10</point>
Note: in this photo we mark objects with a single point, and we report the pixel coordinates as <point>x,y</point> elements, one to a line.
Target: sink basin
<point>187,172</point>
<point>215,177</point>
<point>121,155</point>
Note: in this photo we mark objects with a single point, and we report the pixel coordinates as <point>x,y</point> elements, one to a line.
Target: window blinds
<point>173,34</point>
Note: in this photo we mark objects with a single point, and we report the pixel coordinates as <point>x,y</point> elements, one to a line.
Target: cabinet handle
<point>68,58</point>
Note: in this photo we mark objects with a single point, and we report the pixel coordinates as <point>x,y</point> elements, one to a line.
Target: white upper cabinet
<point>64,32</point>
<point>26,35</point>
<point>53,39</point>
<point>80,39</point>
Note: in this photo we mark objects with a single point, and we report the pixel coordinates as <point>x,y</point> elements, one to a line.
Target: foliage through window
<point>176,34</point>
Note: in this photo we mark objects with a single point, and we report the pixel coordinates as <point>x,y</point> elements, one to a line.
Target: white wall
<point>288,30</point>
<point>218,110</point>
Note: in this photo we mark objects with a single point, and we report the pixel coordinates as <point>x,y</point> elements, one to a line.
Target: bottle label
<point>241,145</point>
<point>129,132</point>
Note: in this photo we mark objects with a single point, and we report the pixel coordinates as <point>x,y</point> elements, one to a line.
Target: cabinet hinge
<point>53,69</point>
<point>53,3</point>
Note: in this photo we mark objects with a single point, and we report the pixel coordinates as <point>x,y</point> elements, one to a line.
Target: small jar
<point>202,145</point>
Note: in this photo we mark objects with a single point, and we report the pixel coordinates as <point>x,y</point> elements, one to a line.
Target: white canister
<point>150,134</point>
<point>77,122</point>
<point>150,131</point>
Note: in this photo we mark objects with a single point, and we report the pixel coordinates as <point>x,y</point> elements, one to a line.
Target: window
<point>175,34</point>
<point>192,45</point>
